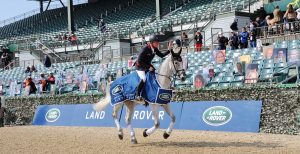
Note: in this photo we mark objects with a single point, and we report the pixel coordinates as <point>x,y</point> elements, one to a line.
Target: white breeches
<point>142,75</point>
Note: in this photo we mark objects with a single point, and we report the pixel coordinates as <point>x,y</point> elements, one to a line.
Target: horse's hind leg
<point>171,126</point>
<point>129,112</point>
<point>150,131</point>
<point>116,119</point>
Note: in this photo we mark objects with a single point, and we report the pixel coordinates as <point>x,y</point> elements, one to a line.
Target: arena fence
<point>279,115</point>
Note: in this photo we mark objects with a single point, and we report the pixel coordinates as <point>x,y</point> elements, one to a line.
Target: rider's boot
<point>139,90</point>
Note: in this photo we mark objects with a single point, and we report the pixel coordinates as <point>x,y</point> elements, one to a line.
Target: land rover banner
<point>236,116</point>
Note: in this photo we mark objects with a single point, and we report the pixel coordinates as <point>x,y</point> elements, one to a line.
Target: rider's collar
<point>150,46</point>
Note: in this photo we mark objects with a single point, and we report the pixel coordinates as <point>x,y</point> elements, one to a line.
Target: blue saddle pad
<point>125,87</point>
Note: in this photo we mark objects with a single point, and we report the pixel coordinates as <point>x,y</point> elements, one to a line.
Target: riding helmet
<point>153,38</point>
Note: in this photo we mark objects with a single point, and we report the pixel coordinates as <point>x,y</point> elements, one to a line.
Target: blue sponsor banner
<point>142,116</point>
<point>72,115</point>
<point>84,115</point>
<point>234,116</point>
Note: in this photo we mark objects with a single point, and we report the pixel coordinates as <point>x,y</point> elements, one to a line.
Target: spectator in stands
<point>234,41</point>
<point>253,25</point>
<point>47,61</point>
<point>30,87</point>
<point>277,16</point>
<point>51,79</point>
<point>234,25</point>
<point>198,41</point>
<point>290,14</point>
<point>261,23</point>
<point>4,58</point>
<point>244,38</point>
<point>2,111</point>
<point>185,40</point>
<point>43,83</point>
<point>27,69</point>
<point>33,69</point>
<point>222,41</point>
<point>252,39</point>
<point>73,39</point>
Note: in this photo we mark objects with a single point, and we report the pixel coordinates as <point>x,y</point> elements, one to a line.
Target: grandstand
<point>126,23</point>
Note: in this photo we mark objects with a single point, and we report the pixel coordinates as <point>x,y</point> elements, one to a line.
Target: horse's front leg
<point>116,119</point>
<point>173,119</point>
<point>129,113</point>
<point>150,131</point>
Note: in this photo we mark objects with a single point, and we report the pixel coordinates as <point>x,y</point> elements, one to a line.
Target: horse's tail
<point>103,103</point>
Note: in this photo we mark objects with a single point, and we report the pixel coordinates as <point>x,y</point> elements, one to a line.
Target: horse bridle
<point>177,72</point>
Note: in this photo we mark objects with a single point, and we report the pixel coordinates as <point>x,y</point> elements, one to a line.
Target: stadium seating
<point>224,73</point>
<point>131,18</point>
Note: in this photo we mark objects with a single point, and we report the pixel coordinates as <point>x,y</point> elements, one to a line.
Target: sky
<point>12,8</point>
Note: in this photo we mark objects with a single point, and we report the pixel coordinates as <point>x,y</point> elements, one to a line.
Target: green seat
<point>228,79</point>
<point>224,85</point>
<point>237,84</point>
<point>216,79</point>
<point>239,79</point>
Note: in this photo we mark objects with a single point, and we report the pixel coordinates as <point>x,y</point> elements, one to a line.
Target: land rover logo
<point>217,115</point>
<point>52,115</point>
<point>165,97</point>
<point>117,89</point>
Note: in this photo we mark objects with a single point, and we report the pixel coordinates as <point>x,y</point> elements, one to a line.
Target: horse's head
<point>178,65</point>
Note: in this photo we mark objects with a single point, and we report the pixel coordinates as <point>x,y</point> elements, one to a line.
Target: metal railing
<point>278,29</point>
<point>43,46</point>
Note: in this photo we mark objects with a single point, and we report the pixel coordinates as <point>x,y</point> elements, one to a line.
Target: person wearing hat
<point>144,59</point>
<point>198,41</point>
<point>2,111</point>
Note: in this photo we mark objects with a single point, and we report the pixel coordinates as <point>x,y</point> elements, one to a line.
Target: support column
<point>41,6</point>
<point>71,27</point>
<point>158,10</point>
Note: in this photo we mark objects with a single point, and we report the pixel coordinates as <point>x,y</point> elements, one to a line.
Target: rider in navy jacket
<point>143,62</point>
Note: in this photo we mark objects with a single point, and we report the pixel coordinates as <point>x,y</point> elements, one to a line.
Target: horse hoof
<point>145,133</point>
<point>120,136</point>
<point>134,141</point>
<point>166,135</point>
